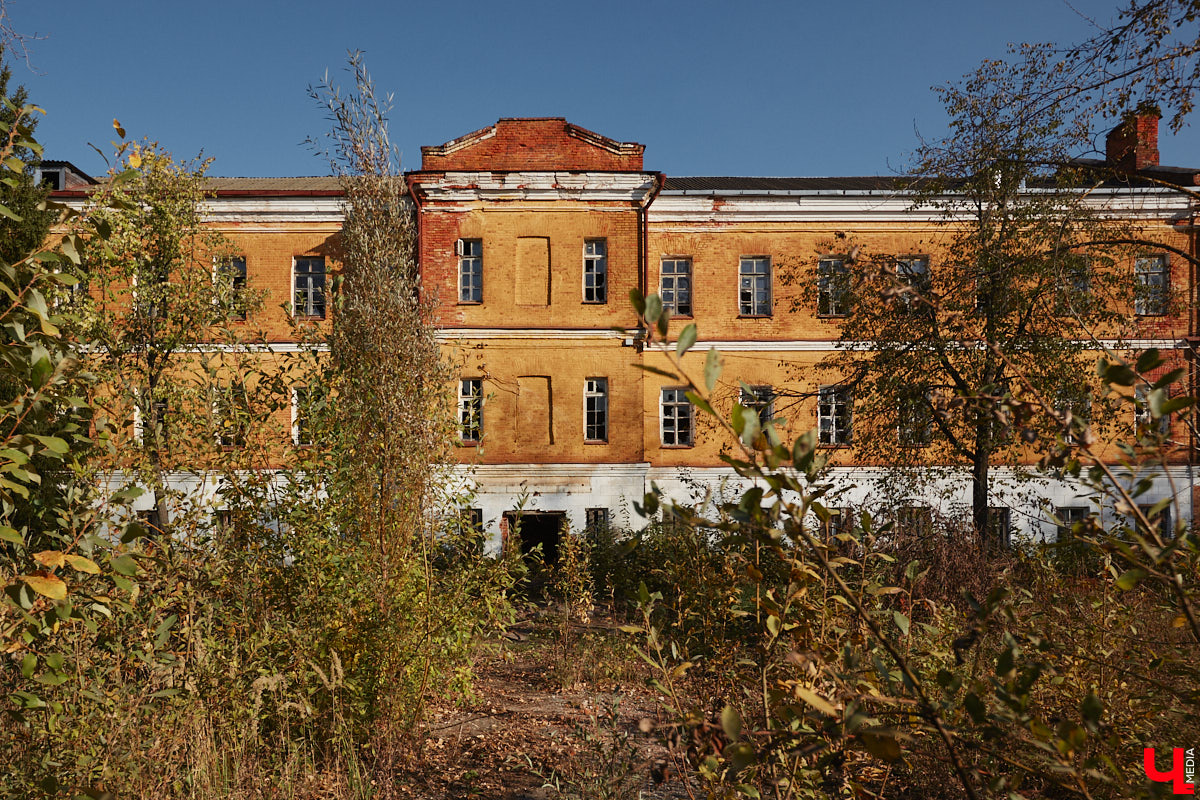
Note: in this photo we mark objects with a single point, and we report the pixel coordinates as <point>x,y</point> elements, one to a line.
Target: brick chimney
<point>1133,145</point>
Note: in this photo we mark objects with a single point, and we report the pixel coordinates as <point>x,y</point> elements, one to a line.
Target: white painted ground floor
<point>582,493</point>
<point>577,495</point>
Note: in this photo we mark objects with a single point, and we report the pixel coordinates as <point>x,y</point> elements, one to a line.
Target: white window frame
<point>304,313</point>
<point>1142,418</point>
<point>754,300</point>
<point>595,271</point>
<point>298,391</point>
<point>913,271</point>
<point>835,416</point>
<point>676,276</point>
<point>1151,297</point>
<point>595,393</point>
<point>470,410</point>
<point>833,300</point>
<point>675,408</point>
<point>761,398</point>
<point>1069,515</point>
<point>465,248</point>
<point>221,273</point>
<point>227,395</point>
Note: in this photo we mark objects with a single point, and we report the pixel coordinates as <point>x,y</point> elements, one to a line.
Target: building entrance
<point>538,528</point>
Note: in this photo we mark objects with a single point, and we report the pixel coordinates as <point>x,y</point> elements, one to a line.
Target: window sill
<point>676,446</point>
<point>594,302</point>
<point>832,317</point>
<point>467,443</point>
<point>845,446</point>
<point>595,441</point>
<point>470,302</point>
<point>308,318</point>
<point>755,316</point>
<point>680,316</point>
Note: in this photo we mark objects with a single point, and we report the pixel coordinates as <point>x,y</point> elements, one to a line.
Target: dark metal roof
<point>716,185</point>
<point>317,183</point>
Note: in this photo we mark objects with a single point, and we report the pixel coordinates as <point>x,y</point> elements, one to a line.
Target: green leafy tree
<point>1022,274</point>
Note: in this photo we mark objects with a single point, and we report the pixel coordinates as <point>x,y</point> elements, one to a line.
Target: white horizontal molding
<point>1154,204</point>
<point>219,210</point>
<point>450,334</point>
<point>830,345</point>
<point>595,186</point>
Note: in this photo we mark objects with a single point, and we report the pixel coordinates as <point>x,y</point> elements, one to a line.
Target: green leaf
<point>654,309</point>
<point>881,745</point>
<point>1091,709</point>
<point>687,338</point>
<point>12,535</point>
<point>28,665</point>
<point>657,371</point>
<point>637,301</point>
<point>700,403</point>
<point>125,565</point>
<point>52,443</point>
<point>1148,360</point>
<point>731,723</point>
<point>901,622</point>
<point>712,369</point>
<point>1130,578</point>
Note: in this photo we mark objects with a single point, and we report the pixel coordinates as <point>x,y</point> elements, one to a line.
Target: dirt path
<point>549,721</point>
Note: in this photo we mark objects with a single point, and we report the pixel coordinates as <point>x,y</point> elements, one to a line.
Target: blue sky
<point>754,88</point>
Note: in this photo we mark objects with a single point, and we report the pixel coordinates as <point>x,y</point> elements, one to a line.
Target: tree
<point>155,294</point>
<point>1019,285</point>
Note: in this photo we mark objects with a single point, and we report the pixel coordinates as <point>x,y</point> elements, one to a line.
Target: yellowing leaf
<point>48,586</point>
<point>50,558</point>
<point>816,701</point>
<point>83,564</point>
<point>135,160</point>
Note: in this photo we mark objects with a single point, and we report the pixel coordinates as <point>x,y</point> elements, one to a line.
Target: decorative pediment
<point>533,144</point>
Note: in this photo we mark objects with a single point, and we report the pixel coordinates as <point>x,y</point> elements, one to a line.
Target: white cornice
<point>828,206</point>
<point>219,210</point>
<point>464,187</point>
<point>449,334</point>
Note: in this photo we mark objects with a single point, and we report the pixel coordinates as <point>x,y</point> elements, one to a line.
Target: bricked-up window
<point>675,287</point>
<point>596,519</point>
<point>754,295</point>
<point>308,284</point>
<point>761,399</point>
<point>913,272</point>
<point>833,288</point>
<point>676,418</point>
<point>833,415</point>
<point>231,278</point>
<point>1153,286</point>
<point>470,270</point>
<point>470,409</point>
<point>595,409</point>
<point>595,271</point>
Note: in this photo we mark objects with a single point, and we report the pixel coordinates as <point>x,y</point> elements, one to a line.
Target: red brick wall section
<point>535,144</point>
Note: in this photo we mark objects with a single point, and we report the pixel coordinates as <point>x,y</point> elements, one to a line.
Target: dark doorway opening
<point>538,528</point>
